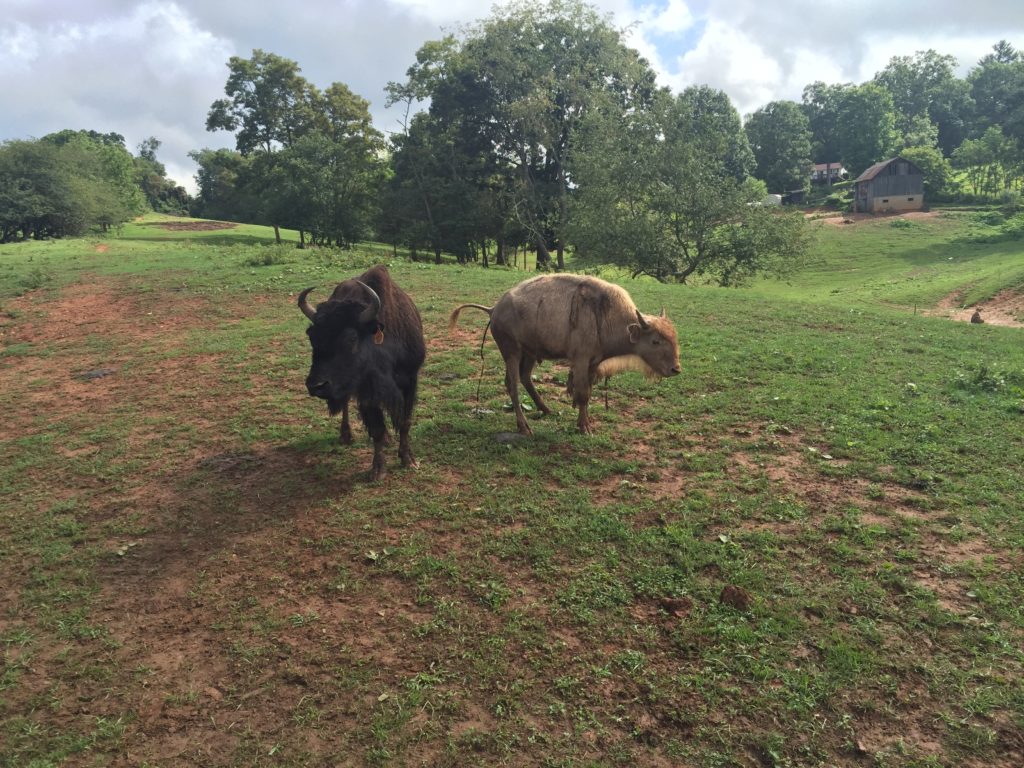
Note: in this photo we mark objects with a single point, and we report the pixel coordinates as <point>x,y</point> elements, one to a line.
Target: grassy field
<point>807,550</point>
<point>908,262</point>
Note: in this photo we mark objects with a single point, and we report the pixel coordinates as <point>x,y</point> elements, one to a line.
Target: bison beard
<point>592,324</point>
<point>367,341</point>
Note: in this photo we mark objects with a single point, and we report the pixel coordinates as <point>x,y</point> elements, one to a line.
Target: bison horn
<point>663,312</point>
<point>640,319</point>
<point>370,313</point>
<point>307,310</point>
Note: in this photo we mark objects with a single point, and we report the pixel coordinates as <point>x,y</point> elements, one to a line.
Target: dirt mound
<point>1005,308</point>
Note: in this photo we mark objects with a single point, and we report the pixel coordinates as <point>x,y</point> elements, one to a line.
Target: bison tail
<point>453,320</point>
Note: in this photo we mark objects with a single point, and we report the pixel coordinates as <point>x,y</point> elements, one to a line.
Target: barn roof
<point>875,169</point>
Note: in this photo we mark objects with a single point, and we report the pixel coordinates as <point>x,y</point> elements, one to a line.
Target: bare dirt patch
<point>1006,308</point>
<point>191,226</point>
<point>91,334</point>
<point>838,219</point>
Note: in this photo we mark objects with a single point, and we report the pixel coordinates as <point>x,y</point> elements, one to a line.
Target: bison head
<point>654,342</point>
<point>342,337</point>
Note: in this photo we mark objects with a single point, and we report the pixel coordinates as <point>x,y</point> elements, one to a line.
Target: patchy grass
<point>911,262</point>
<point>197,573</point>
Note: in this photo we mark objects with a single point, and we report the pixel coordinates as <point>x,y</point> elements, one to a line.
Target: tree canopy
<point>780,137</point>
<point>669,196</point>
<point>66,182</point>
<point>516,88</point>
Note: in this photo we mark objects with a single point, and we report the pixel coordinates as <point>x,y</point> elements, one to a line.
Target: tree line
<point>917,107</point>
<point>543,130</point>
<point>70,181</point>
<point>539,128</point>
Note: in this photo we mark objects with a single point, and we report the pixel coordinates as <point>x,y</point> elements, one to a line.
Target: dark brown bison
<point>592,324</point>
<point>367,341</point>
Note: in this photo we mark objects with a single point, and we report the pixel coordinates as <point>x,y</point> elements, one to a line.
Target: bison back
<point>562,316</point>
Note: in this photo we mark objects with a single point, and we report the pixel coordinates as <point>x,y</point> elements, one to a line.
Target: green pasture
<point>187,549</point>
<point>906,262</point>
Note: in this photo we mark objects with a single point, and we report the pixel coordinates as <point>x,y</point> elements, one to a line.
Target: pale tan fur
<point>622,363</point>
<point>591,324</point>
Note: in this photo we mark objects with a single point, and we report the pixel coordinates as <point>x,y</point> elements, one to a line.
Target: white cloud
<point>153,67</point>
<point>19,47</point>
<point>728,59</point>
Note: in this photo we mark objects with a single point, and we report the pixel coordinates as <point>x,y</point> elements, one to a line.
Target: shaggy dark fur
<point>375,359</point>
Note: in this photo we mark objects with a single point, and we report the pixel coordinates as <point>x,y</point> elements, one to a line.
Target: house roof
<point>875,169</point>
<point>825,166</point>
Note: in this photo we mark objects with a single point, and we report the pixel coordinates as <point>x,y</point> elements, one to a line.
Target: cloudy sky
<point>153,67</point>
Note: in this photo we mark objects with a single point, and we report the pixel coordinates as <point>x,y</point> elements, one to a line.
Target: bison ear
<point>634,332</point>
<point>640,318</point>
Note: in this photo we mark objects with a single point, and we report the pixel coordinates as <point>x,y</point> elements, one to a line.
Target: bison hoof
<point>345,437</point>
<point>410,463</point>
<point>377,473</point>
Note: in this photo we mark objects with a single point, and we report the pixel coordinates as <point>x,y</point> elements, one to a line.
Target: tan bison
<point>592,324</point>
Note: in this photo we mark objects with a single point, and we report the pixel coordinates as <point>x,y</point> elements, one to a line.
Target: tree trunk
<point>302,238</point>
<point>561,256</point>
<point>437,254</point>
<point>483,250</point>
<point>499,254</point>
<point>543,254</point>
<point>277,234</point>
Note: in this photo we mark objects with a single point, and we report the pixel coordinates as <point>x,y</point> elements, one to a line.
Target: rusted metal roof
<point>875,169</point>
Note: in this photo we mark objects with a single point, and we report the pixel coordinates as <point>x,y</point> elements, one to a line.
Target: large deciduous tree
<point>667,193</point>
<point>312,157</point>
<point>269,106</point>
<point>867,127</point>
<point>779,135</point>
<point>997,87</point>
<point>922,89</point>
<point>822,105</point>
<point>328,179</point>
<point>519,85</point>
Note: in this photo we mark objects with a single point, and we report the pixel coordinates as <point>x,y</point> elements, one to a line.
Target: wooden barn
<point>891,185</point>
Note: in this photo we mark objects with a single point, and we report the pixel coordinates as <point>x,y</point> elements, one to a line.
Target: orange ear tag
<point>378,337</point>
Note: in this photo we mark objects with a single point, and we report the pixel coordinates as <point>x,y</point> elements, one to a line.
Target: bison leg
<point>373,418</point>
<point>512,385</point>
<point>526,374</point>
<point>580,388</point>
<point>513,354</point>
<point>402,425</point>
<point>346,429</point>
